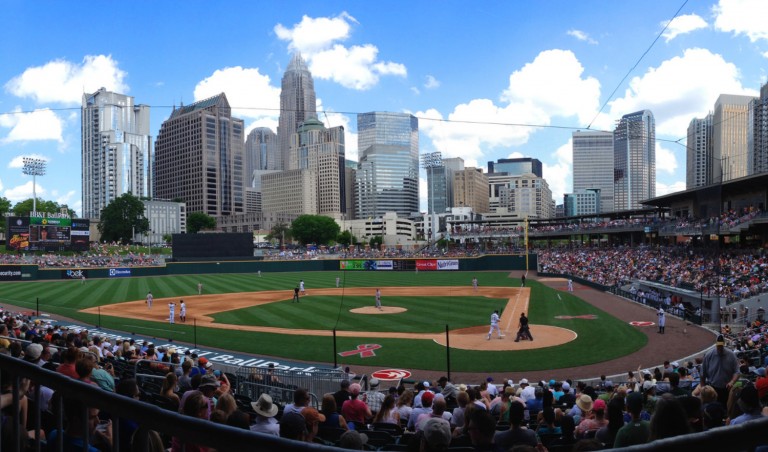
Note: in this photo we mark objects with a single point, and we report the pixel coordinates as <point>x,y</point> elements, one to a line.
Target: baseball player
<point>494,325</point>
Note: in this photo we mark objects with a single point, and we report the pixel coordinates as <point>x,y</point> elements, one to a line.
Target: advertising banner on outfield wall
<point>119,272</point>
<point>429,265</point>
<point>10,273</point>
<point>352,265</point>
<point>452,264</point>
<point>74,274</point>
<point>384,265</point>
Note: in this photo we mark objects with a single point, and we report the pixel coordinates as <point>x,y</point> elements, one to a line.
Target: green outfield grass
<point>598,340</point>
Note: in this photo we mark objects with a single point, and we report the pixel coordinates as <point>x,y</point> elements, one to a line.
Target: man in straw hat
<point>265,416</point>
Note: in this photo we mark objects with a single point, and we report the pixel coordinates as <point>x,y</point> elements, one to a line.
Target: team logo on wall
<point>391,374</point>
<point>364,350</point>
<point>637,323</point>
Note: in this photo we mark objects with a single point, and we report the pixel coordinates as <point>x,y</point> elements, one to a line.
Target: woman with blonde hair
<point>404,407</point>
<point>168,390</point>
<point>226,403</point>
<point>387,414</point>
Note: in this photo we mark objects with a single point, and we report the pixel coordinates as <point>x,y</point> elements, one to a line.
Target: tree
<point>5,208</point>
<point>376,242</point>
<point>122,218</point>
<point>198,221</point>
<point>23,208</point>
<point>346,238</point>
<point>279,232</point>
<point>317,229</point>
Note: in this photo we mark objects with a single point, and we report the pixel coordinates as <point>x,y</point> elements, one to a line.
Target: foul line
<point>514,309</point>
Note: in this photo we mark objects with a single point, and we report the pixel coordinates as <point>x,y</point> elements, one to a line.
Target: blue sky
<point>493,63</point>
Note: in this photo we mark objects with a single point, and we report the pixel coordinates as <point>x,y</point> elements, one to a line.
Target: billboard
<point>10,272</point>
<point>366,265</point>
<point>448,264</point>
<point>47,232</point>
<point>119,272</point>
<point>428,265</point>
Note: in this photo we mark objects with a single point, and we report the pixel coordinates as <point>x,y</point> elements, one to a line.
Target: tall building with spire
<point>297,104</point>
<point>116,148</point>
<point>634,160</point>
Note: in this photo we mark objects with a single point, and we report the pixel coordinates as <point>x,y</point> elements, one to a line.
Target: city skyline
<point>552,64</point>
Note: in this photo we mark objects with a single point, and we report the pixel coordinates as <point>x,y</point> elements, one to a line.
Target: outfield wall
<point>496,262</point>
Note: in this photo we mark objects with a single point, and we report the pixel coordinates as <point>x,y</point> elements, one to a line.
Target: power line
<point>636,64</point>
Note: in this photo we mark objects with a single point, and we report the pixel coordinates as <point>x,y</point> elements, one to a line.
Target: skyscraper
<point>593,164</point>
<point>199,158</point>
<point>387,178</point>
<point>634,160</point>
<point>440,183</point>
<point>116,149</point>
<point>758,133</point>
<point>261,153</point>
<point>517,166</point>
<point>470,189</point>
<point>297,104</point>
<point>698,153</point>
<point>729,137</point>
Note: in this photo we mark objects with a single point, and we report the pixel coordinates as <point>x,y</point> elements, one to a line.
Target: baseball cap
<point>202,360</point>
<point>426,384</point>
<point>374,382</point>
<point>312,415</point>
<point>635,401</point>
<point>720,340</point>
<point>209,380</point>
<point>437,433</point>
<point>33,351</point>
<point>489,379</point>
<point>354,388</point>
<point>566,386</point>
<point>524,381</point>
<point>648,385</point>
<point>292,425</point>
<point>598,405</point>
<point>427,397</point>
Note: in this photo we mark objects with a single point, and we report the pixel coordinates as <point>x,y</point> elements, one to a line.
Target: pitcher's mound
<point>383,310</point>
<point>476,338</point>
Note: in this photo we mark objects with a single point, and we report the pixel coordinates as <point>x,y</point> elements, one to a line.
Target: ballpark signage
<point>352,265</point>
<point>74,274</point>
<point>364,350</point>
<point>48,232</point>
<point>427,265</point>
<point>384,265</point>
<point>366,265</point>
<point>10,273</point>
<point>452,264</point>
<point>119,272</point>
<point>391,374</point>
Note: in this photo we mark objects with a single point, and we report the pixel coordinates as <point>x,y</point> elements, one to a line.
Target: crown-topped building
<point>297,104</point>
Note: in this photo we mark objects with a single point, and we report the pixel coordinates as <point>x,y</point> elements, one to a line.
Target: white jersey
<point>301,286</point>
<point>494,319</point>
<point>183,309</point>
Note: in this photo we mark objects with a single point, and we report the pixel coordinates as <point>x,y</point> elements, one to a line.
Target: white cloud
<point>431,82</point>
<point>37,125</point>
<point>679,89</point>
<point>552,82</point>
<point>559,175</point>
<point>249,92</point>
<point>765,54</point>
<point>312,35</point>
<point>581,36</point>
<point>1,184</point>
<point>22,192</point>
<point>62,81</point>
<point>665,160</point>
<point>549,86</point>
<point>64,198</point>
<point>665,189</point>
<point>682,25</point>
<point>515,155</point>
<point>319,41</point>
<point>742,17</point>
<point>18,161</point>
<point>415,90</point>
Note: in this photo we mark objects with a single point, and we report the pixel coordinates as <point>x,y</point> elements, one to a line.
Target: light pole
<point>34,167</point>
<point>429,162</point>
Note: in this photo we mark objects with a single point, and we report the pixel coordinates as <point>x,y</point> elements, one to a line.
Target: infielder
<point>474,284</point>
<point>183,312</point>
<point>301,287</point>
<point>338,280</point>
<point>149,300</point>
<point>171,311</point>
<point>199,288</point>
<point>494,325</point>
<point>570,285</point>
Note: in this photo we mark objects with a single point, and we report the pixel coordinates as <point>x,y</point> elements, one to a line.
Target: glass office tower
<point>387,178</point>
<point>634,160</point>
<point>297,104</point>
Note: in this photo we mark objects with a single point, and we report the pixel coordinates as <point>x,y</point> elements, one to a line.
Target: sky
<point>487,79</point>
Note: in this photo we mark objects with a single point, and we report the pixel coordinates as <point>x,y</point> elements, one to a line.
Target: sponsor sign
<point>352,265</point>
<point>10,273</point>
<point>452,264</point>
<point>384,265</point>
<point>74,274</point>
<point>49,232</point>
<point>427,265</point>
<point>119,272</point>
<point>391,374</point>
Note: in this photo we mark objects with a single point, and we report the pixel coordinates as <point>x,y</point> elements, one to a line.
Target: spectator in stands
<point>193,404</point>
<point>426,408</point>
<point>185,381</point>
<point>74,434</point>
<point>127,387</point>
<point>332,417</point>
<point>581,408</point>
<point>435,435</point>
<point>537,403</point>
<point>226,403</point>
<point>355,411</point>
<point>607,434</point>
<point>342,395</point>
<point>593,420</point>
<point>458,415</point>
<point>568,398</point>
<point>546,426</point>
<point>300,400</point>
<point>749,403</point>
<point>293,426</point>
<point>388,413</point>
<point>240,419</point>
<point>517,433</point>
<point>373,398</point>
<point>67,367</point>
<point>265,421</point>
<point>482,428</point>
<point>500,409</point>
<point>669,419</point>
<point>353,440</point>
<point>636,431</point>
<point>447,389</point>
<point>313,418</point>
<point>168,390</point>
<point>720,369</point>
<point>404,407</point>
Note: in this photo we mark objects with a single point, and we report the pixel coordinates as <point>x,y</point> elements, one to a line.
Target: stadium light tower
<point>34,167</point>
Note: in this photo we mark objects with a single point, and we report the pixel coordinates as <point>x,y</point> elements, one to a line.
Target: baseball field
<point>255,314</point>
